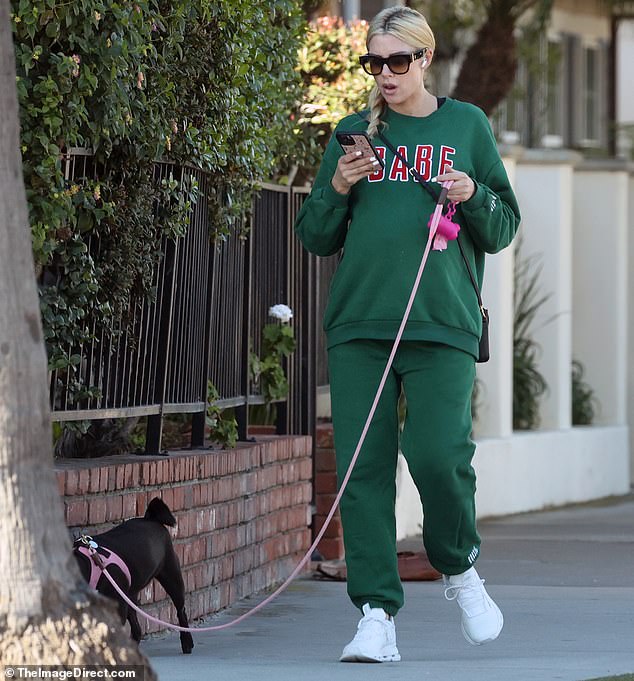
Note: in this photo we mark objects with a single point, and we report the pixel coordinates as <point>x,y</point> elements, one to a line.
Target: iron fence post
<point>154,431</point>
<point>242,411</point>
<point>199,419</point>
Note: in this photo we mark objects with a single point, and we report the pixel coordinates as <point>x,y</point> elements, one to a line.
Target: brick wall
<point>243,515</point>
<point>331,545</point>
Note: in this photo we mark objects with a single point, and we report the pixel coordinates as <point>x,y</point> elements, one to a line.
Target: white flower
<point>281,312</point>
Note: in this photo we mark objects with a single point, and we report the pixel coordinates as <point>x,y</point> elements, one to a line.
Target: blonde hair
<point>407,25</point>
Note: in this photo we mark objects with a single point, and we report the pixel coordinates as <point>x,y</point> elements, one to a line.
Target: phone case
<point>358,141</point>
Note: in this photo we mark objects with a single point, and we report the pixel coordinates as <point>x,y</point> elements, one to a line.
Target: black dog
<point>136,552</point>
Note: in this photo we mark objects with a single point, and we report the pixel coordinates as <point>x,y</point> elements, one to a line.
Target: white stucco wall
<point>630,322</point>
<point>625,79</point>
<point>580,216</point>
<point>532,471</point>
<point>600,283</point>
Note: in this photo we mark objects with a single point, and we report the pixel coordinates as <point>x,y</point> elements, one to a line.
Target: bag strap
<point>428,187</point>
<point>473,281</point>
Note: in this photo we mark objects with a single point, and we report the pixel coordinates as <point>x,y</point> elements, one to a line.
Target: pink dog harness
<point>105,557</point>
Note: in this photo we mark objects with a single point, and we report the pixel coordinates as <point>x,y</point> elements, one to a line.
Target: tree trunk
<point>488,70</point>
<point>47,615</point>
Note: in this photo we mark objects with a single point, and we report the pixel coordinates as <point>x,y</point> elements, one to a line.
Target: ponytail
<point>377,107</point>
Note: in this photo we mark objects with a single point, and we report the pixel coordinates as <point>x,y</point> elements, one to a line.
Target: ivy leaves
<point>107,89</point>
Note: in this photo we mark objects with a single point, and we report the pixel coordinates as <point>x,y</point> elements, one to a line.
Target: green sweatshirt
<point>381,225</point>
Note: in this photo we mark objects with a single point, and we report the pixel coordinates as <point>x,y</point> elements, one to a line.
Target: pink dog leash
<point>433,227</point>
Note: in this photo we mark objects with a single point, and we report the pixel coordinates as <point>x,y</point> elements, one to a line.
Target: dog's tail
<point>157,510</point>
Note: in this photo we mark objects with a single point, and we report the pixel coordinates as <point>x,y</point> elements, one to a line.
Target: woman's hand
<point>463,187</point>
<point>351,168</point>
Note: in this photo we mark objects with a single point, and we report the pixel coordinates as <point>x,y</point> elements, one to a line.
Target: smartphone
<point>358,141</point>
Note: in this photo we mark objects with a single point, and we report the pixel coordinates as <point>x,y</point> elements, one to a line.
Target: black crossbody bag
<point>483,348</point>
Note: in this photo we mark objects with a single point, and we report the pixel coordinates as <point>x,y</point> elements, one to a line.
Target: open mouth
<point>388,88</point>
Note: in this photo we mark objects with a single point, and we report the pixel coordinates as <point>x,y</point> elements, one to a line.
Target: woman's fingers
<point>350,169</point>
<point>463,187</point>
<point>358,165</point>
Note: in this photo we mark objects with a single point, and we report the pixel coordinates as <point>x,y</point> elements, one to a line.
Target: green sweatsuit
<point>381,226</point>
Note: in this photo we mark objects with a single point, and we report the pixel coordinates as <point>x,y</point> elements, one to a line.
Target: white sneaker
<point>482,620</point>
<point>375,640</point>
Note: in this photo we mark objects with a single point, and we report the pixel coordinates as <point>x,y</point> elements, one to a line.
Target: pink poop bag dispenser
<point>447,231</point>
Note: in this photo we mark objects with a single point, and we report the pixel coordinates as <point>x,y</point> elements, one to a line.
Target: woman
<point>378,216</point>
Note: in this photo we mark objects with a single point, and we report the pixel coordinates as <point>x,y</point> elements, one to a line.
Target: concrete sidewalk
<point>564,580</point>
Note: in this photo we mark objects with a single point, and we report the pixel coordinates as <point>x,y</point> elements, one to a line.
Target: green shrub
<point>584,402</point>
<point>221,423</point>
<point>528,383</point>
<point>191,82</point>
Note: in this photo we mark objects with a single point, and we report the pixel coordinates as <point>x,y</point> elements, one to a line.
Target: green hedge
<point>204,83</point>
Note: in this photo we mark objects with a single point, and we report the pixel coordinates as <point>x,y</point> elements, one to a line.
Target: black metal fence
<point>211,304</point>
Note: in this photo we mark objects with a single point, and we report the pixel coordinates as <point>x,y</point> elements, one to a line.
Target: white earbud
<point>424,63</point>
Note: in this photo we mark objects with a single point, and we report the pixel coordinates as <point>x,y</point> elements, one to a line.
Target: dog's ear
<point>157,510</point>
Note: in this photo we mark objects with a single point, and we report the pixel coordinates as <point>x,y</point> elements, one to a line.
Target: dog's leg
<point>135,627</point>
<point>171,579</point>
<point>123,609</point>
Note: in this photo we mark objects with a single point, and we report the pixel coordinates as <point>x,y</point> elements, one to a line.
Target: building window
<point>554,86</point>
<point>534,110</point>
<point>591,97</point>
<point>509,119</point>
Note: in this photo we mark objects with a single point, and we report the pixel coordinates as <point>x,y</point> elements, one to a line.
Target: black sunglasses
<point>397,63</point>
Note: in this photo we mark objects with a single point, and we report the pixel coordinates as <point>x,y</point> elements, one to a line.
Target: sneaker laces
<point>471,596</point>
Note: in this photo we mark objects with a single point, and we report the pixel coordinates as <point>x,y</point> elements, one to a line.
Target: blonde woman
<point>378,216</point>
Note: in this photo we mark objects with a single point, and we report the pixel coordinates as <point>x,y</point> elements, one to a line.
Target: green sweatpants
<point>436,441</point>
